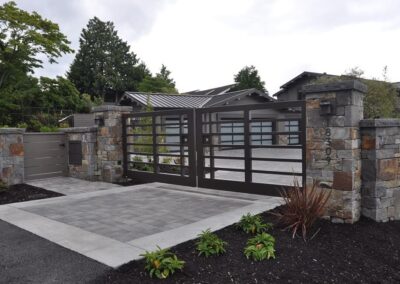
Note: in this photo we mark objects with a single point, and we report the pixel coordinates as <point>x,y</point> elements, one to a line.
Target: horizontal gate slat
<point>41,161</point>
<point>44,138</point>
<point>46,168</point>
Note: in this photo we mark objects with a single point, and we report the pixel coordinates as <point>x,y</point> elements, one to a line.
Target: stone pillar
<point>109,141</point>
<point>333,144</point>
<point>380,152</point>
<point>88,137</point>
<point>12,155</point>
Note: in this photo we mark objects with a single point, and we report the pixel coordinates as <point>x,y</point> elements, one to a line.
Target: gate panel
<point>251,148</point>
<point>160,146</point>
<point>45,155</point>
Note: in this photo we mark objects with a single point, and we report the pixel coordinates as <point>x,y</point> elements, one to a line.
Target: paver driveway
<point>116,225</point>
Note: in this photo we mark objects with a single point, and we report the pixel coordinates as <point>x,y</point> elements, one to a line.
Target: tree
<point>24,36</point>
<point>161,83</point>
<point>104,65</point>
<point>381,97</point>
<point>248,78</point>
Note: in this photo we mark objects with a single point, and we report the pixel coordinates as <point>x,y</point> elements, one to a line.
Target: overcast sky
<point>205,42</point>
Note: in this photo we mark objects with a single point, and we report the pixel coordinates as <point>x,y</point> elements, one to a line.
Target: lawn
<point>340,253</point>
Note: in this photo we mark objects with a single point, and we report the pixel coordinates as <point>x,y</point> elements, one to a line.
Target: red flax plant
<point>302,207</point>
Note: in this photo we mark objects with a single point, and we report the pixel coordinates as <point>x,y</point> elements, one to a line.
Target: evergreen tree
<point>248,78</point>
<point>104,65</point>
<point>161,83</point>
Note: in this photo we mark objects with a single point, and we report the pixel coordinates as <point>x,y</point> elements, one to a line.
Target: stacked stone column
<point>88,170</point>
<point>12,155</point>
<point>333,145</point>
<point>109,141</point>
<point>380,169</point>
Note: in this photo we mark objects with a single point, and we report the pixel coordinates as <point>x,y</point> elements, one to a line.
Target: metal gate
<point>45,155</point>
<point>159,146</point>
<point>247,148</point>
<point>266,152</point>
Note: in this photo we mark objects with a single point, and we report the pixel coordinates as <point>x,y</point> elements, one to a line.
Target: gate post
<point>333,112</point>
<point>108,118</point>
<point>12,155</point>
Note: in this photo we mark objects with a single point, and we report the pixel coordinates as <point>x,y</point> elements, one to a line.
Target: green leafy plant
<point>261,247</point>
<point>253,224</point>
<point>22,125</point>
<point>167,160</point>
<point>48,129</point>
<point>3,186</point>
<point>302,207</point>
<point>210,244</point>
<point>162,263</point>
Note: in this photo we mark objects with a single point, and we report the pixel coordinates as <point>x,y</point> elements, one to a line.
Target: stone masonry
<point>12,155</point>
<point>88,137</point>
<point>380,151</point>
<point>109,141</point>
<point>333,145</point>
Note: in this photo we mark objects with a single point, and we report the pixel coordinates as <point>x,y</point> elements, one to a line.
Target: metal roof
<point>168,101</point>
<point>159,100</point>
<point>211,92</point>
<point>218,99</point>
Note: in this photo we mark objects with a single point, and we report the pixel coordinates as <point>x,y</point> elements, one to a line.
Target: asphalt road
<point>27,258</point>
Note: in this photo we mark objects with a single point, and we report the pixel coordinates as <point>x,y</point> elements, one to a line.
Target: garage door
<point>45,155</point>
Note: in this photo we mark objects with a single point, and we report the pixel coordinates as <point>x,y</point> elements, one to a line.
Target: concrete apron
<point>114,253</point>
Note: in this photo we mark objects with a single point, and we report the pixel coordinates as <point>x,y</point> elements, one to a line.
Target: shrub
<point>210,244</point>
<point>3,186</point>
<point>260,247</point>
<point>253,224</point>
<point>48,129</point>
<point>302,207</point>
<point>162,263</point>
<point>22,125</point>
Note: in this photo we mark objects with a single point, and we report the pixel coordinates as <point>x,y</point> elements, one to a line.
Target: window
<point>292,125</point>
<point>261,139</point>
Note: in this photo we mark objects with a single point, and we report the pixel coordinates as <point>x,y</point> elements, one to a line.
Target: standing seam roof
<point>169,101</point>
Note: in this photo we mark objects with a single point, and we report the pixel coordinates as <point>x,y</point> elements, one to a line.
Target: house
<point>274,119</point>
<point>291,90</point>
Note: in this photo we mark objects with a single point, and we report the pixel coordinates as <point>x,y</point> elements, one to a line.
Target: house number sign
<point>328,141</point>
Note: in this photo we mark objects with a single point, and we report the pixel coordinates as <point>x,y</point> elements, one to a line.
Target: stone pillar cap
<point>104,108</point>
<point>79,129</point>
<point>380,122</point>
<point>345,85</point>
<point>12,130</point>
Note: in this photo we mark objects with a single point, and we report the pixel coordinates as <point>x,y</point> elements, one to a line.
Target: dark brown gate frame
<point>185,140</point>
<point>196,141</point>
<point>204,140</point>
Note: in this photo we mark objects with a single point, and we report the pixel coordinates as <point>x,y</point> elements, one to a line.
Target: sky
<point>205,42</point>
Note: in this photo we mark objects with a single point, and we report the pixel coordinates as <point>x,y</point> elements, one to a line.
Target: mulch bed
<point>25,192</point>
<point>366,252</point>
<point>128,182</point>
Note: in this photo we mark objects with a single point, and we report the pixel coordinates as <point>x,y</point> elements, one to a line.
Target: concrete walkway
<point>115,226</point>
<point>69,186</point>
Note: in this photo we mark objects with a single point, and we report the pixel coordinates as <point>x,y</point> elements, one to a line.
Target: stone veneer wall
<point>333,145</point>
<point>89,168</point>
<point>109,141</point>
<point>380,169</point>
<point>12,155</point>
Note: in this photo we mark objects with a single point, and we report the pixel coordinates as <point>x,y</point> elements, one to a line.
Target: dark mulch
<point>366,252</point>
<point>25,192</point>
<point>128,182</point>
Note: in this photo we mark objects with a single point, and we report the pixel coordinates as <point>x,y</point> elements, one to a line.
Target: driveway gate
<point>247,148</point>
<point>159,146</point>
